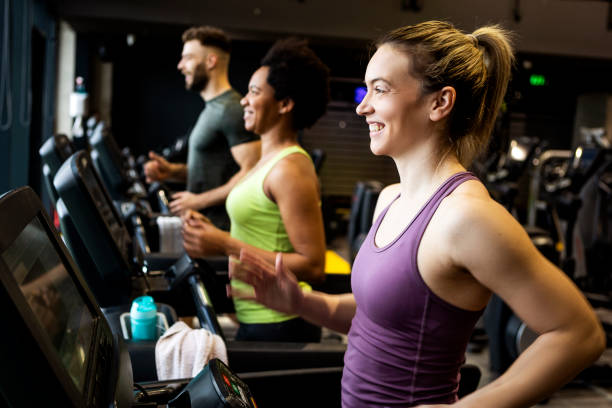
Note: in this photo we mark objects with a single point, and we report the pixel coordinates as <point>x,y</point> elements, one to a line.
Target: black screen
<point>105,206</point>
<point>53,297</point>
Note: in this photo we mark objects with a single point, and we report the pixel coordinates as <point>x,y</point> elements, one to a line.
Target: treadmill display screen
<point>53,297</point>
<point>105,206</point>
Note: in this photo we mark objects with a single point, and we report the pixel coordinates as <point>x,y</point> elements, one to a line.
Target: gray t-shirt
<point>210,164</point>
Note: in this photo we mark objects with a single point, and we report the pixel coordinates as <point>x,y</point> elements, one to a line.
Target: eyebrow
<point>254,87</point>
<point>377,79</point>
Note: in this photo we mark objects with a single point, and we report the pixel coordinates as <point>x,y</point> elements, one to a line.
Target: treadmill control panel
<point>214,387</point>
<point>233,390</point>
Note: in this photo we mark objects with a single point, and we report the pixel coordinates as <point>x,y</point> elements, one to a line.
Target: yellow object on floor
<point>335,264</point>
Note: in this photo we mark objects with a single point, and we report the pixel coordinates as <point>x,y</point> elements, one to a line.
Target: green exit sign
<point>537,80</point>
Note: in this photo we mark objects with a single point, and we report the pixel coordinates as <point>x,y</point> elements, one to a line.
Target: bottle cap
<point>143,307</point>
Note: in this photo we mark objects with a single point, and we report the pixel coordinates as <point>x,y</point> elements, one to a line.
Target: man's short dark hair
<point>208,36</point>
<point>297,73</point>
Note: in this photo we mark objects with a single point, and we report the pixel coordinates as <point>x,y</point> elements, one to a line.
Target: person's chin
<point>377,149</point>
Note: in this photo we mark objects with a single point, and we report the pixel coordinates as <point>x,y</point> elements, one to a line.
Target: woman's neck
<point>423,170</point>
<point>277,139</point>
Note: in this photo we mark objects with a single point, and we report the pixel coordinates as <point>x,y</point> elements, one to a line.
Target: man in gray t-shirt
<point>221,151</point>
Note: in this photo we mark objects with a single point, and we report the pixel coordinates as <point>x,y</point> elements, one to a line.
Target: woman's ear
<point>286,106</point>
<point>443,103</point>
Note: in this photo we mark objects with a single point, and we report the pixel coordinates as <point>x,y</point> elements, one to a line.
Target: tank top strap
<point>265,169</point>
<point>422,219</point>
<point>380,217</point>
<point>433,202</point>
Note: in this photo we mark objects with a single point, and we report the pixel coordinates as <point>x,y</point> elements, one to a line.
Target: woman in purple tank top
<point>440,246</point>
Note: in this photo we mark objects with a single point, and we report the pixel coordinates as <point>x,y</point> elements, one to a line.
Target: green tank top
<point>256,220</point>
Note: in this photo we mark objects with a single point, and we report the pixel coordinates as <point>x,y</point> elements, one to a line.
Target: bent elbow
<point>594,342</point>
<point>600,342</point>
<point>316,273</point>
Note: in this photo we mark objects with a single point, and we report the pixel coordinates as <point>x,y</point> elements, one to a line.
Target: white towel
<point>170,234</point>
<point>182,352</point>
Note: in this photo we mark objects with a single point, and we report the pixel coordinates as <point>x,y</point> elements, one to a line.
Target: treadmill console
<point>63,146</point>
<point>52,297</point>
<point>59,348</point>
<point>215,387</point>
<point>55,150</point>
<point>230,388</point>
<point>103,202</point>
<point>95,218</point>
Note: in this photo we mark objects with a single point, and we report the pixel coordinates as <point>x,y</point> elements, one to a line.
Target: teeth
<point>375,127</point>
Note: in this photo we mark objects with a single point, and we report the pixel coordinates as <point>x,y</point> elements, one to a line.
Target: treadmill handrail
<point>203,305</point>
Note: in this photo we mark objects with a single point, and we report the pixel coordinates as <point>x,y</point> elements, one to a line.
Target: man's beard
<point>200,79</point>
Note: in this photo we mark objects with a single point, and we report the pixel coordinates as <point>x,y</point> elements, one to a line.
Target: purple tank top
<point>405,345</point>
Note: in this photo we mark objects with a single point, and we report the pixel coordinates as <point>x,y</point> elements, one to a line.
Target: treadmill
<point>57,345</point>
<point>89,207</point>
<point>119,173</point>
<point>117,269</point>
<point>53,152</point>
<point>58,349</point>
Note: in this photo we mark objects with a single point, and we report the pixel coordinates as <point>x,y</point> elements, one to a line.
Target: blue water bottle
<point>143,318</point>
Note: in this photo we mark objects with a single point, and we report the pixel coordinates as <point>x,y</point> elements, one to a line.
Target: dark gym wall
<point>543,26</point>
<point>563,28</point>
<point>549,111</point>
<point>150,106</point>
<point>28,27</point>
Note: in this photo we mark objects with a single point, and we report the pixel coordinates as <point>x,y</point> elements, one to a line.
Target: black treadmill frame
<point>38,375</point>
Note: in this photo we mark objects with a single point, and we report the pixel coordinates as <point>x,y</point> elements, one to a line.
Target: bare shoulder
<point>480,234</point>
<point>470,206</point>
<point>292,174</point>
<point>291,166</point>
<point>388,193</point>
<point>385,197</point>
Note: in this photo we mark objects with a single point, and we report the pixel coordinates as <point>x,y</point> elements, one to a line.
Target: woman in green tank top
<point>276,207</point>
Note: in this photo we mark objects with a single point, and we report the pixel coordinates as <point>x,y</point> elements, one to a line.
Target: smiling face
<point>394,107</point>
<point>192,65</point>
<point>261,109</point>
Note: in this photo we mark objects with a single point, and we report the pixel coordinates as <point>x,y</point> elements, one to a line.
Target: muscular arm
<point>490,244</point>
<point>179,172</point>
<point>159,169</point>
<point>293,185</point>
<point>332,311</point>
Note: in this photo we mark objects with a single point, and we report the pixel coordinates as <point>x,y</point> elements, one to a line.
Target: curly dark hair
<point>297,73</point>
<point>208,36</point>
